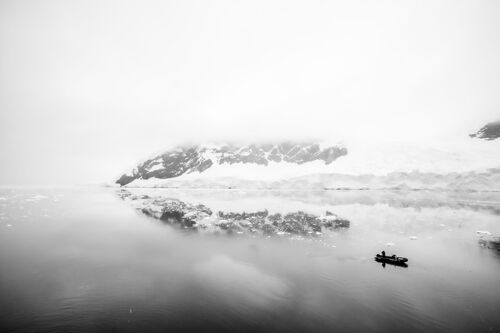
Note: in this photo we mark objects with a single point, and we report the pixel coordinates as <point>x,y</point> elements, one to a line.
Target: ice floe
<point>36,197</point>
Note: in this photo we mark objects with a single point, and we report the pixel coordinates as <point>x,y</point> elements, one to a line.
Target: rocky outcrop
<point>185,160</point>
<point>171,211</point>
<point>490,131</point>
<point>297,223</point>
<point>199,217</point>
<point>490,242</point>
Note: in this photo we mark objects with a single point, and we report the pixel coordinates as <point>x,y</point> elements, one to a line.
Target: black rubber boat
<point>393,260</point>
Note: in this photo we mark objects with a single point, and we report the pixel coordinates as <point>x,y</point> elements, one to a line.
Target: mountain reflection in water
<point>85,260</point>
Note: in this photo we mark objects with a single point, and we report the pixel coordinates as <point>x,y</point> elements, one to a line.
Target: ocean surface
<point>83,260</point>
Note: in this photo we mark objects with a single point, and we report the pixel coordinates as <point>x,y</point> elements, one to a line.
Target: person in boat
<point>383,253</point>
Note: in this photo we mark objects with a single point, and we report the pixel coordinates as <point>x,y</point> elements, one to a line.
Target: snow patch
<point>158,166</point>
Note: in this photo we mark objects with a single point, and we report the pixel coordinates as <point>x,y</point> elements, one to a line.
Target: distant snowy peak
<point>186,160</point>
<point>490,131</point>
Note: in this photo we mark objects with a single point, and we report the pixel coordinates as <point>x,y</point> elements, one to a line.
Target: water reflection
<point>83,260</point>
<point>418,199</point>
<point>199,217</point>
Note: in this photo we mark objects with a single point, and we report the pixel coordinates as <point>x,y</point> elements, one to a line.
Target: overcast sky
<point>87,88</point>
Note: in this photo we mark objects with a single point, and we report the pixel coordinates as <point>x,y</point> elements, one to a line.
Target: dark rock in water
<point>300,223</point>
<point>490,242</point>
<point>124,193</point>
<point>171,211</point>
<point>229,226</point>
<point>147,212</point>
<point>275,218</point>
<point>199,217</point>
<point>243,216</point>
<point>341,223</point>
<point>185,160</point>
<point>178,212</point>
<point>295,223</point>
<point>268,229</point>
<point>291,225</point>
<point>174,217</point>
<point>332,221</point>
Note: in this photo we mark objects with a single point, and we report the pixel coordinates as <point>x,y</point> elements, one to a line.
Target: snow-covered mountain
<point>195,160</point>
<point>490,131</point>
<point>459,165</point>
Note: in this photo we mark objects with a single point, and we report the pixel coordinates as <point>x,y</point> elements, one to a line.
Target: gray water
<point>80,260</point>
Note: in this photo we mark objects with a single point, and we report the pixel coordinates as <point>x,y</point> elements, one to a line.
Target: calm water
<point>79,260</point>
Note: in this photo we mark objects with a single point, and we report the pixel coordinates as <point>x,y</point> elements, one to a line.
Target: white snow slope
<point>362,159</point>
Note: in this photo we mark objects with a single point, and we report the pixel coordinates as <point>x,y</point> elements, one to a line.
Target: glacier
<point>466,164</point>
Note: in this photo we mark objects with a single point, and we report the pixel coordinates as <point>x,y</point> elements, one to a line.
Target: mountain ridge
<point>199,158</point>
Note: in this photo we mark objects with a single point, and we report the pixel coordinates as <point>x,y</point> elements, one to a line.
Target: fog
<point>87,88</point>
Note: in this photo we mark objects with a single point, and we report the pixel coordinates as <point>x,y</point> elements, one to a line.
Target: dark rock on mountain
<point>199,158</point>
<point>490,131</point>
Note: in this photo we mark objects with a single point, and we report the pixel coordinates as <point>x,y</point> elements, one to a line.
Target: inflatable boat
<point>393,260</point>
